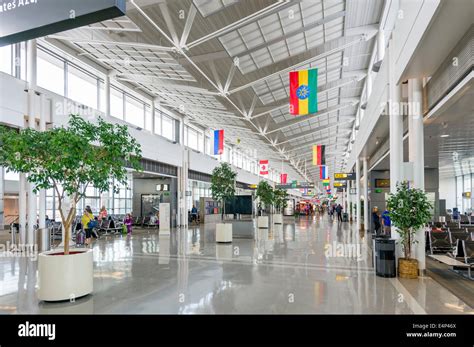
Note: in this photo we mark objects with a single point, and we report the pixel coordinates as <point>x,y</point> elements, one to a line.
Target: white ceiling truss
<point>225,64</point>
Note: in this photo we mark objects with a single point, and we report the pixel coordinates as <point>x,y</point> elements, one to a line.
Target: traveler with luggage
<point>339,212</point>
<point>376,220</point>
<point>88,223</point>
<point>128,221</point>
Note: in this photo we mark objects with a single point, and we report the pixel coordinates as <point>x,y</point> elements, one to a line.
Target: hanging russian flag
<point>263,167</point>
<point>319,155</point>
<point>323,172</point>
<point>218,142</point>
<point>303,92</point>
<point>283,178</point>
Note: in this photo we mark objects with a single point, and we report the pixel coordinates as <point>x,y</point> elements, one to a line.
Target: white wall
<point>13,107</point>
<point>447,191</point>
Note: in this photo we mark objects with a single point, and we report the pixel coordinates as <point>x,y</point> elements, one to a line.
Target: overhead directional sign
<point>22,20</point>
<point>295,184</point>
<point>339,185</point>
<point>350,176</point>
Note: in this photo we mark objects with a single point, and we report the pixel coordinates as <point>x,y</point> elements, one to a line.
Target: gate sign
<point>350,176</point>
<point>23,20</point>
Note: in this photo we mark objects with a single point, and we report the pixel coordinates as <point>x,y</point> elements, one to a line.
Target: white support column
<point>2,208</point>
<point>357,183</point>
<point>42,192</point>
<point>369,85</point>
<point>366,194</point>
<point>153,106</point>
<point>22,205</point>
<point>31,198</point>
<point>107,95</point>
<point>396,131</point>
<point>416,154</point>
<point>349,197</point>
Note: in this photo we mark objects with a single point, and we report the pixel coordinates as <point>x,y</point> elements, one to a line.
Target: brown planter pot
<point>407,268</point>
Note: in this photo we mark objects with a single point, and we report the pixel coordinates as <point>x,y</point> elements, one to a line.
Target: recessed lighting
<point>444,135</point>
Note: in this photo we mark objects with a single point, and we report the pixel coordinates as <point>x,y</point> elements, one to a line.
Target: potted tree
<point>279,200</point>
<point>68,160</point>
<point>223,189</point>
<point>409,211</point>
<point>265,195</point>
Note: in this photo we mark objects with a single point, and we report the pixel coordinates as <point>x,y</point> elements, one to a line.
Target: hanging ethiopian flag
<point>325,182</point>
<point>319,155</point>
<point>303,92</point>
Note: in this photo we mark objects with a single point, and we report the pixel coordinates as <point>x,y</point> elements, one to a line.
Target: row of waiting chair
<point>453,241</point>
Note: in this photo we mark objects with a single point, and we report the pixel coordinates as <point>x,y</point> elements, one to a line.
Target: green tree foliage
<point>265,193</point>
<point>223,183</point>
<point>409,210</point>
<point>70,159</point>
<point>279,199</point>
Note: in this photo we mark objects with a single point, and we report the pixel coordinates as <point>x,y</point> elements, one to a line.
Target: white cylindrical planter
<point>278,218</point>
<point>65,277</point>
<point>223,232</point>
<point>262,222</point>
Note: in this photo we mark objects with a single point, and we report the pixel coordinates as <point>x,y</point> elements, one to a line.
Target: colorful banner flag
<point>319,155</point>
<point>323,172</point>
<point>325,182</point>
<point>283,178</point>
<point>218,142</point>
<point>303,92</point>
<point>263,167</point>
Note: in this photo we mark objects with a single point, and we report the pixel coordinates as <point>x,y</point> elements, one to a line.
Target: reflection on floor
<point>307,266</point>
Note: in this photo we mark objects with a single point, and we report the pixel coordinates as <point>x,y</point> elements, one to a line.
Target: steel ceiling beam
<point>319,22</point>
<point>188,25</point>
<point>275,7</point>
<point>301,119</point>
<point>351,41</point>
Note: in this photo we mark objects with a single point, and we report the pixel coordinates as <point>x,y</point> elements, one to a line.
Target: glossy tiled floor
<point>302,267</point>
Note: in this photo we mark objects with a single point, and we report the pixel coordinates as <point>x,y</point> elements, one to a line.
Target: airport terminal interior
<point>232,157</point>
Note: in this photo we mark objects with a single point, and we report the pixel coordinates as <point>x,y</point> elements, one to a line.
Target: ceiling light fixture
<point>444,135</point>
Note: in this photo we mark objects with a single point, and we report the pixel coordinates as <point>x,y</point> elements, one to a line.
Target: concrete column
<point>416,154</point>
<point>107,95</point>
<point>31,198</point>
<point>357,183</point>
<point>366,194</point>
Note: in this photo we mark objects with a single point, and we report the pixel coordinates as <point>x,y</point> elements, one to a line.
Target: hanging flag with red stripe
<point>283,178</point>
<point>319,155</point>
<point>303,92</point>
<point>218,142</point>
<point>263,167</point>
<point>323,172</point>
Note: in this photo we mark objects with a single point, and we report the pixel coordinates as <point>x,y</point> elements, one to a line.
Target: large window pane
<point>50,72</point>
<point>6,59</point>
<point>167,127</point>
<point>81,87</point>
<point>102,96</point>
<point>192,139</point>
<point>116,103</point>
<point>134,111</point>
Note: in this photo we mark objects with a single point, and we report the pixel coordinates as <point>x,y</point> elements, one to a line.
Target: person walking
<point>386,222</point>
<point>339,212</point>
<point>376,220</point>
<point>88,223</point>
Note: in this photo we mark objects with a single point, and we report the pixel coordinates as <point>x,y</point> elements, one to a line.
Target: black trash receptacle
<point>385,265</point>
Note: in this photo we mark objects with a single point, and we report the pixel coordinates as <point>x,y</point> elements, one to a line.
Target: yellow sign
<point>340,175</point>
<point>339,184</point>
